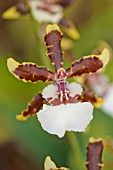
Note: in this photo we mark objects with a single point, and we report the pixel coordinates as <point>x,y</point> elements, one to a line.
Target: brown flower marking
<point>89,96</point>
<point>53,44</point>
<point>29,71</point>
<point>85,65</point>
<point>94,154</point>
<point>33,107</point>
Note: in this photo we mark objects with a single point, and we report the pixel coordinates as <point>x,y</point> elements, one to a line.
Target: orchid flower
<point>66,110</point>
<point>45,11</point>
<point>99,83</point>
<point>50,165</point>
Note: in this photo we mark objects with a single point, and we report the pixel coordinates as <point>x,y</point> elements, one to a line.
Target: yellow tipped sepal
<point>92,139</point>
<point>12,64</point>
<point>72,31</point>
<point>52,27</point>
<point>49,164</point>
<point>11,13</point>
<point>21,117</point>
<point>99,102</point>
<point>105,56</point>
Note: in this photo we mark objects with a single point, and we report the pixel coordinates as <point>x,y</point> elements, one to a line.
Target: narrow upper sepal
<point>94,154</point>
<point>89,64</point>
<point>53,44</point>
<point>50,165</point>
<point>52,27</point>
<point>29,71</point>
<point>33,107</point>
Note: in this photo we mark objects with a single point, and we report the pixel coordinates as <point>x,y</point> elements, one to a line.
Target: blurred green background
<point>18,39</point>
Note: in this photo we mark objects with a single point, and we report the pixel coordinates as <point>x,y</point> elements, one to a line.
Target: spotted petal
<point>88,64</point>
<point>29,71</point>
<point>53,44</point>
<point>59,119</point>
<point>33,107</point>
<point>94,154</point>
<point>90,96</point>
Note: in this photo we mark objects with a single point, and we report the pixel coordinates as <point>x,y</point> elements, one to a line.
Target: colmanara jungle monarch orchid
<point>44,12</point>
<point>65,106</point>
<point>101,85</point>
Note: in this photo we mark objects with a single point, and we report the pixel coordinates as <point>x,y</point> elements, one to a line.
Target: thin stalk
<point>77,161</point>
<point>35,28</point>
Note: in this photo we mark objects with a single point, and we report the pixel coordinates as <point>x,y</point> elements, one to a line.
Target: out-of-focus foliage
<point>12,156</point>
<point>19,39</point>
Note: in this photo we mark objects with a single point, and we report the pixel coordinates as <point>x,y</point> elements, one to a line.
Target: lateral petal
<point>33,107</point>
<point>29,71</point>
<point>74,88</point>
<point>89,64</point>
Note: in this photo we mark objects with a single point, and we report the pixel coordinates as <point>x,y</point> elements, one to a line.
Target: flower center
<point>62,92</point>
<point>61,82</point>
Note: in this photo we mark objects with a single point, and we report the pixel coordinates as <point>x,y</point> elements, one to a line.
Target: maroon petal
<point>89,96</point>
<point>88,64</point>
<point>33,107</point>
<point>53,44</point>
<point>94,154</point>
<point>29,71</point>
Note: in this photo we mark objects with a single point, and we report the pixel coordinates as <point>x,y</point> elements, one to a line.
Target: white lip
<point>44,16</point>
<point>71,117</point>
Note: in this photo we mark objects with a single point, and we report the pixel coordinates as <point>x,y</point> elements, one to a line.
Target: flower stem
<point>76,157</point>
<point>41,50</point>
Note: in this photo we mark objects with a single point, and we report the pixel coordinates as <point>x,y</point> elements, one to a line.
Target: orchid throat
<point>63,91</point>
<point>61,82</point>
